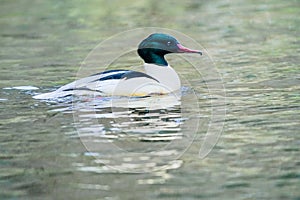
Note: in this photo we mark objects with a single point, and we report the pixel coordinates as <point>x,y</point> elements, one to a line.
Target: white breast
<point>166,76</point>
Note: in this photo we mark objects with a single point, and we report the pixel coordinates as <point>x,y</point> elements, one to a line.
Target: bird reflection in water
<point>132,134</point>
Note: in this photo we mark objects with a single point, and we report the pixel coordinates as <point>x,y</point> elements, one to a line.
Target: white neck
<point>166,76</point>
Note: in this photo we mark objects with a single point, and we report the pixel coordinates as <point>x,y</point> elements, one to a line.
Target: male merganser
<point>159,76</point>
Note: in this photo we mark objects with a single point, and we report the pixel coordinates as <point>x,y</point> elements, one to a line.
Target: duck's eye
<point>169,43</point>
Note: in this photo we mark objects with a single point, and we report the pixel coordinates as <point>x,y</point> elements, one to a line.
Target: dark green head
<point>153,49</point>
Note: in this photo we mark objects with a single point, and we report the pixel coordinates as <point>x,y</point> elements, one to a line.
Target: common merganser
<point>159,76</point>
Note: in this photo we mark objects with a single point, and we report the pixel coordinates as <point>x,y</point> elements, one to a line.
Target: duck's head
<point>153,49</point>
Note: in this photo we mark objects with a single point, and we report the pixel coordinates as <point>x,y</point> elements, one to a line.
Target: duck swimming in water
<point>159,76</point>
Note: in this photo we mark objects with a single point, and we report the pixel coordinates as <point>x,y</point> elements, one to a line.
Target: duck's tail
<point>53,95</point>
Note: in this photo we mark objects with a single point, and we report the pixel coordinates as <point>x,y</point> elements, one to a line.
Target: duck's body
<point>159,77</point>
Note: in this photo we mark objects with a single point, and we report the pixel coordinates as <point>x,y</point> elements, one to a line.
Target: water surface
<point>255,47</point>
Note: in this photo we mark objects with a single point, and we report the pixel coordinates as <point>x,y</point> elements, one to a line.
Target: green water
<point>255,47</point>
